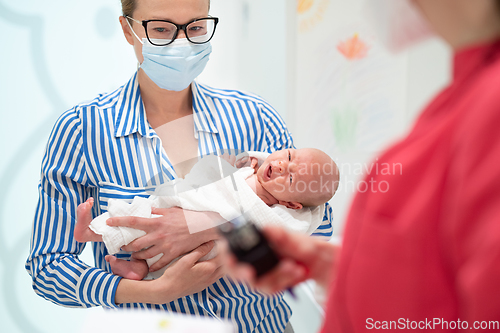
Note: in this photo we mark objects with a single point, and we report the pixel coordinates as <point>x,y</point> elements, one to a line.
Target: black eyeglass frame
<point>178,27</point>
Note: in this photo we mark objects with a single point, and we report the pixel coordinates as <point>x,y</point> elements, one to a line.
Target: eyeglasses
<point>161,32</point>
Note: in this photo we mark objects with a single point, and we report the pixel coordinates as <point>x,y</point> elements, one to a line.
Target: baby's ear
<point>291,204</point>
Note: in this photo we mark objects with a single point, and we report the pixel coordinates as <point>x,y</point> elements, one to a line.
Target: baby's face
<point>295,175</point>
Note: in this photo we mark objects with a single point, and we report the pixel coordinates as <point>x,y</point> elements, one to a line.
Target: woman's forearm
<point>132,291</point>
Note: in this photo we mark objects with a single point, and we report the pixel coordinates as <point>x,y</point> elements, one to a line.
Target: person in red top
<point>426,253</point>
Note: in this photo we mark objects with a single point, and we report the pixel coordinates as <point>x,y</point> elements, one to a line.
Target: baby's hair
<point>322,197</point>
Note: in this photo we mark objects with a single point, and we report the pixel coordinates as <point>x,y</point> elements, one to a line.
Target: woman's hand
<point>168,234</point>
<point>184,277</point>
<point>188,275</point>
<point>302,257</point>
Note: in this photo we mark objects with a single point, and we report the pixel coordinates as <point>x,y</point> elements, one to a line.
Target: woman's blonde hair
<point>128,7</point>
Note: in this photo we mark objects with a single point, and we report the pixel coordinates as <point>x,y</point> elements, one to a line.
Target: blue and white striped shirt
<point>106,149</point>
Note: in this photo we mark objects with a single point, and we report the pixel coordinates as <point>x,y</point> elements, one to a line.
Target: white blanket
<point>212,185</point>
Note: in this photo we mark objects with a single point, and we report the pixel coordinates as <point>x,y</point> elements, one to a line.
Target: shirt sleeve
<point>278,137</point>
<point>58,275</point>
<point>325,230</point>
<point>472,214</point>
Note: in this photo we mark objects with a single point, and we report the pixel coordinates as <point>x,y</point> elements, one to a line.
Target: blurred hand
<point>302,257</point>
<point>168,234</point>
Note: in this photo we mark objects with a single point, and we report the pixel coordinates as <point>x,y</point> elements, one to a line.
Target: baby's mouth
<point>269,172</point>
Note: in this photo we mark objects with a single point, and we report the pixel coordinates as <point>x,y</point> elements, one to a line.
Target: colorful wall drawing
<point>351,93</point>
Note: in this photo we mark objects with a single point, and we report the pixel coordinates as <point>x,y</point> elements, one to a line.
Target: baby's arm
<point>82,232</point>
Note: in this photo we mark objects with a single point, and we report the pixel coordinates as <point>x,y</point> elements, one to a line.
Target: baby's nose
<point>280,167</point>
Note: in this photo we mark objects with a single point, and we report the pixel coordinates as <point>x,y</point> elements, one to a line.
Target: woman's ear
<point>290,204</point>
<point>126,30</point>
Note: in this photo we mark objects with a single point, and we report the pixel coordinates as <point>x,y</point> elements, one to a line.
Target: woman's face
<point>177,11</point>
<point>440,14</point>
<point>462,22</point>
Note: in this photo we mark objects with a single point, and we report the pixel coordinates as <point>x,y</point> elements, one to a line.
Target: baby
<point>294,178</point>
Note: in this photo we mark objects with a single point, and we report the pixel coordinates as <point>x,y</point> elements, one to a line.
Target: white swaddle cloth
<point>212,185</point>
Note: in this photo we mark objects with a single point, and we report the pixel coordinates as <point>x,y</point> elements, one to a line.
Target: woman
<point>123,144</point>
<point>426,254</point>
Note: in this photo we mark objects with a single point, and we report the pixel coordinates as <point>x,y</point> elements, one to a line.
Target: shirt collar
<point>130,115</point>
<point>468,60</point>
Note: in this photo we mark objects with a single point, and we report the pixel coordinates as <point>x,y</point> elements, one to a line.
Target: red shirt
<point>429,247</point>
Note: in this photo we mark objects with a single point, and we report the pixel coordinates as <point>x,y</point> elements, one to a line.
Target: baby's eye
<point>291,179</point>
<point>289,156</point>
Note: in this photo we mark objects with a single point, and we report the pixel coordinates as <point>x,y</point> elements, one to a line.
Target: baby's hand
<point>247,161</point>
<point>243,162</point>
<point>254,163</point>
<point>229,158</point>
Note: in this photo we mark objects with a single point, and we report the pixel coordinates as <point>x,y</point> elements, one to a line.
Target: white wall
<point>250,49</point>
<point>55,55</point>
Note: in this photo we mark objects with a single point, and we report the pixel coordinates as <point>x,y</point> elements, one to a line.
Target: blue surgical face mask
<point>175,66</point>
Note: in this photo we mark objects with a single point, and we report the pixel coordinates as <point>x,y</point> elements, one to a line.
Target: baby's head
<point>299,177</point>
